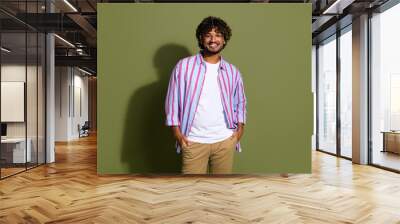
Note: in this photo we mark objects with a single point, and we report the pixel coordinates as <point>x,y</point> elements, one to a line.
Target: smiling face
<point>213,41</point>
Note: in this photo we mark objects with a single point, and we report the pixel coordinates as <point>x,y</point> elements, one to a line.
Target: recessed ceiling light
<point>84,71</point>
<point>70,5</point>
<point>337,7</point>
<point>64,40</point>
<point>5,50</point>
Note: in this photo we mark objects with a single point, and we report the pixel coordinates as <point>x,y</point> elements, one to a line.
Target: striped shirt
<point>184,90</point>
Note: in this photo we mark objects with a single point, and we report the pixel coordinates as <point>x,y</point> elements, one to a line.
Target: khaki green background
<point>138,46</point>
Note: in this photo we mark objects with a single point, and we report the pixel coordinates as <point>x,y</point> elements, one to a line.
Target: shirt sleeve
<point>171,100</point>
<point>240,100</point>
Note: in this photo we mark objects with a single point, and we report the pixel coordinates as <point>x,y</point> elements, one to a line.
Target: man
<point>206,104</point>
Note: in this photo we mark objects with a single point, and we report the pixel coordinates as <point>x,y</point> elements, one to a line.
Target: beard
<point>211,51</point>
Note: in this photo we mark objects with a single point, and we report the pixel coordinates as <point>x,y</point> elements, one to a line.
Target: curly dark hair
<point>208,24</point>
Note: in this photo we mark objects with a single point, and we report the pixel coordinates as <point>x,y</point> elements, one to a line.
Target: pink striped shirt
<point>184,90</point>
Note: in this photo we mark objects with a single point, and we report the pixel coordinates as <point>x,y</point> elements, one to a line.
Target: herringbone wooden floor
<point>69,191</point>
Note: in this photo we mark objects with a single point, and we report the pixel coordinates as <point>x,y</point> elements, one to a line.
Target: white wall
<point>33,127</point>
<point>80,97</point>
<point>71,102</point>
<point>9,73</point>
<point>62,80</point>
<point>15,72</point>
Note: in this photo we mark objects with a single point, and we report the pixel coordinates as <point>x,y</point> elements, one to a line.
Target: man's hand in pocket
<point>238,133</point>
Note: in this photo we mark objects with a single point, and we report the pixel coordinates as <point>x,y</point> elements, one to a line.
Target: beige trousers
<point>218,157</point>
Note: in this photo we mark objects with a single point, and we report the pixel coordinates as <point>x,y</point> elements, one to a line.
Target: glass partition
<point>15,152</point>
<point>385,88</point>
<point>327,95</point>
<point>22,88</point>
<point>346,93</point>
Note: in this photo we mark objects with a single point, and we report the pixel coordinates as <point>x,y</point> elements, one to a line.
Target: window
<point>346,92</point>
<point>327,95</point>
<point>385,88</point>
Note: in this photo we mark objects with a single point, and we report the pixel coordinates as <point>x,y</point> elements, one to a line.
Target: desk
<point>391,141</point>
<point>15,148</point>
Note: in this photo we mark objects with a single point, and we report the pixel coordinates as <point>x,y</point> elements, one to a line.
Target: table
<point>391,141</point>
<point>15,148</point>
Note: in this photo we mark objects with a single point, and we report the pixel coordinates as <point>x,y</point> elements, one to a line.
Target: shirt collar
<point>200,60</point>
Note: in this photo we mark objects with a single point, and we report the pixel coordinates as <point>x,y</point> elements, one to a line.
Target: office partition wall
<point>22,87</point>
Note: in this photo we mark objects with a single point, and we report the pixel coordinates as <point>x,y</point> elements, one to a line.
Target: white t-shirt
<point>209,124</point>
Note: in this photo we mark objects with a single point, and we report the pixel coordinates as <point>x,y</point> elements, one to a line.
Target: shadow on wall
<point>149,146</point>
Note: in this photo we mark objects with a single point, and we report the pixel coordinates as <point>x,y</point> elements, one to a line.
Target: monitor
<point>3,129</point>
